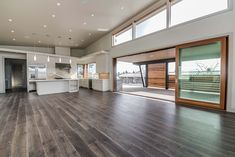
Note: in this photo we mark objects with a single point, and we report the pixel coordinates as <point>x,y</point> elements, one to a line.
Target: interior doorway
<point>149,74</point>
<point>15,75</point>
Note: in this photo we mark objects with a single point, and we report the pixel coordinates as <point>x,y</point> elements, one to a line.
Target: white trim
<point>121,32</point>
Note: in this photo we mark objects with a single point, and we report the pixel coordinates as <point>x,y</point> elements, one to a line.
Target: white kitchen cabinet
<point>100,85</point>
<point>84,83</point>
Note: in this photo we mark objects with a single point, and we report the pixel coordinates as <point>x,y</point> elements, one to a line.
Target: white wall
<point>213,26</point>
<point>30,48</point>
<point>103,44</point>
<point>102,63</point>
<point>64,51</point>
<point>75,52</point>
<point>4,55</point>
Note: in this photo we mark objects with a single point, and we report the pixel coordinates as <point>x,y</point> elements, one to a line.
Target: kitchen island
<point>52,86</point>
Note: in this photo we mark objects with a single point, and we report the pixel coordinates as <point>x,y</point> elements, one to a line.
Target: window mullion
<point>168,8</point>
<point>133,30</point>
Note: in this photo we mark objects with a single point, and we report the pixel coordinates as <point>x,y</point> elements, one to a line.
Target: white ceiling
<point>29,17</point>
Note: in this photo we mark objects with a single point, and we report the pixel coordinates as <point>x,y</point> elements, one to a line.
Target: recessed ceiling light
<point>53,15</point>
<point>92,15</point>
<point>10,20</point>
<point>58,4</point>
<point>14,39</point>
<point>70,30</point>
<point>12,31</point>
<point>103,29</point>
<point>45,26</point>
<point>39,41</point>
<point>122,8</point>
<point>84,23</point>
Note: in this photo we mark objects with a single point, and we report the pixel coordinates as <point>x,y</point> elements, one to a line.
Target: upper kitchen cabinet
<point>102,63</point>
<point>36,59</point>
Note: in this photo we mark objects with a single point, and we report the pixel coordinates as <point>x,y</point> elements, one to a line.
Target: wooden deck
<point>91,123</point>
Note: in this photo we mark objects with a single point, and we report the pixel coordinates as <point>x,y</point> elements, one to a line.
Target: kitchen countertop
<point>53,80</point>
<point>92,79</point>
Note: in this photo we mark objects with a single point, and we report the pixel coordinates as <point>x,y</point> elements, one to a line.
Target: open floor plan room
<point>117,78</point>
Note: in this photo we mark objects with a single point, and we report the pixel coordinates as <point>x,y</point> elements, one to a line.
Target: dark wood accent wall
<point>157,75</point>
<point>114,74</point>
<point>171,82</point>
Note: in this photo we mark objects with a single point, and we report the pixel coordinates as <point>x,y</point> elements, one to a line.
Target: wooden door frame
<point>223,80</point>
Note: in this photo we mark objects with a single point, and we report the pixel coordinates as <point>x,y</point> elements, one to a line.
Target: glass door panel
<point>200,73</point>
<point>143,74</point>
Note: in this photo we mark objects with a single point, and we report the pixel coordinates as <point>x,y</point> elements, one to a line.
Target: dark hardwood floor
<point>91,123</point>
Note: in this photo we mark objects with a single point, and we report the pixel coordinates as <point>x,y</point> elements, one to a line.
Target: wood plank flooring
<point>90,124</point>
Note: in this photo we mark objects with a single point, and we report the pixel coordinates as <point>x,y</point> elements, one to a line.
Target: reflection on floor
<point>13,90</point>
<point>200,96</point>
<point>156,93</point>
<point>97,124</point>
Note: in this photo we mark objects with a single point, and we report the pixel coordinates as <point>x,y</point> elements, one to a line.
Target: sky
<point>125,66</point>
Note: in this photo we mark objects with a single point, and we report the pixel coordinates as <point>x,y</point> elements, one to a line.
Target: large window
<point>154,23</point>
<point>92,70</point>
<point>80,70</point>
<point>171,68</point>
<point>123,36</point>
<point>186,10</point>
<point>180,11</point>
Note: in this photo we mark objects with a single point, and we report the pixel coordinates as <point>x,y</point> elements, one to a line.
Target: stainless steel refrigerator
<point>37,72</point>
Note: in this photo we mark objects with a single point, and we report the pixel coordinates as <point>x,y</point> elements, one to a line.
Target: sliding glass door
<point>201,73</point>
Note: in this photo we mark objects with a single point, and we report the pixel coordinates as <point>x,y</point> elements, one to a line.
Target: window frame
<point>88,74</point>
<point>120,32</point>
<point>150,15</point>
<point>229,8</point>
<point>223,76</point>
<point>83,67</point>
